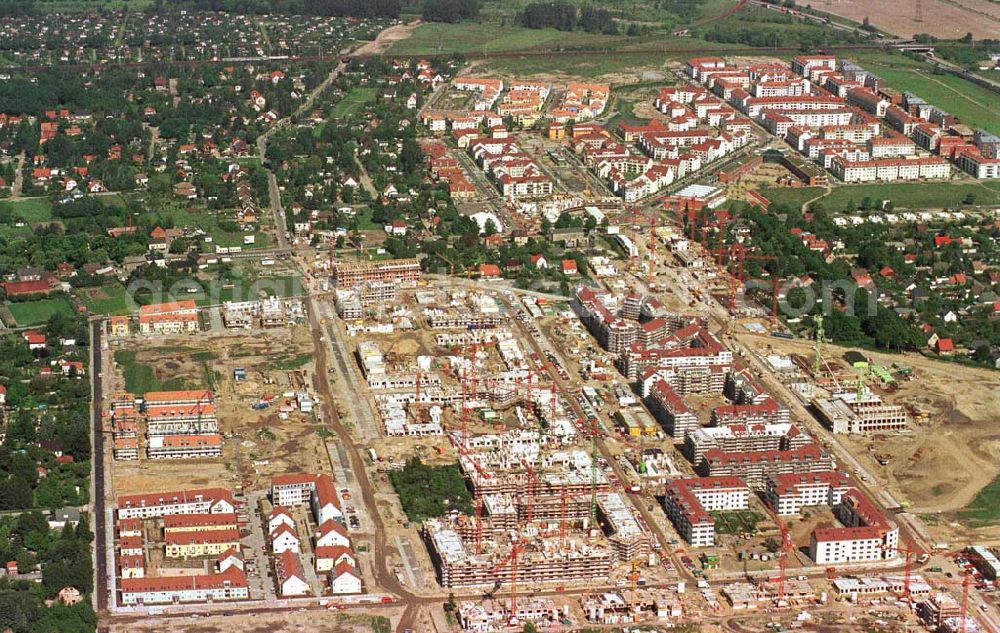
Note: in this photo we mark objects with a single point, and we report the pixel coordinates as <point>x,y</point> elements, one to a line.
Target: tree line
<point>564,16</point>
<point>450,10</point>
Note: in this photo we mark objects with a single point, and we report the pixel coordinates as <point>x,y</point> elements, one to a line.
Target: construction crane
<point>786,546</point>
<point>820,335</point>
<point>737,256</point>
<point>593,473</point>
<point>531,490</point>
<point>908,552</point>
<point>479,498</point>
<point>965,583</point>
<point>515,550</point>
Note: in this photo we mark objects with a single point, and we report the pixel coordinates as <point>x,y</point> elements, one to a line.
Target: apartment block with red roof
<point>688,502</point>
<point>174,317</point>
<point>867,535</point>
<point>158,504</point>
<point>216,587</point>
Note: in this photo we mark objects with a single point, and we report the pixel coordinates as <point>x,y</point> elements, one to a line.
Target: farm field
<point>942,18</point>
<point>35,312</point>
<point>929,195</point>
<point>975,106</point>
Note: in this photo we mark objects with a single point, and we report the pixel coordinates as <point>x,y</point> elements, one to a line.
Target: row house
<point>184,446</point>
<point>201,543</point>
<point>230,584</point>
<point>198,501</point>
<point>175,317</point>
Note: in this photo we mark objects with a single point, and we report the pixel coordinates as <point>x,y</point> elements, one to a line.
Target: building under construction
<point>353,274</point>
<point>540,559</point>
<point>756,466</point>
<point>860,412</point>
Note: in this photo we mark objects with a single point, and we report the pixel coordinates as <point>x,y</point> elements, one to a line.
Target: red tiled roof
<point>229,535</point>
<point>179,521</point>
<point>232,577</point>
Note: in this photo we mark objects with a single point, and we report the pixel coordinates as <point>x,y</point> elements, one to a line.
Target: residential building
<point>688,502</point>
<point>198,501</point>
<point>228,585</point>
<point>174,317</point>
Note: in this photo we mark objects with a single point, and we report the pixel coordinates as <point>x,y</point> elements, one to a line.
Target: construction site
<point>237,408</point>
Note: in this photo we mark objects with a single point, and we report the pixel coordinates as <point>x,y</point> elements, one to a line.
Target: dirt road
<point>948,459</point>
<point>387,38</point>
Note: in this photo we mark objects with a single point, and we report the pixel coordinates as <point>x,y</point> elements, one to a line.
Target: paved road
<point>274,193</point>
<point>97,472</point>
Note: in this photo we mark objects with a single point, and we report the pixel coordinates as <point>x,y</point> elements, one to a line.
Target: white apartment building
<point>845,545</point>
<point>977,165</point>
<point>158,504</point>
<point>688,501</point>
<point>889,169</point>
<point>788,493</point>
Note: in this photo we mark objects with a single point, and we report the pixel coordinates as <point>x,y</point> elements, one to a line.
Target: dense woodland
<point>567,17</point>
<point>431,491</point>
<point>450,10</point>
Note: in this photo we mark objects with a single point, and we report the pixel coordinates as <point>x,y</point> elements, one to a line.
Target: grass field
<point>985,508</point>
<point>491,37</point>
<point>353,101</point>
<point>139,378</point>
<point>923,195</point>
<point>31,209</point>
<point>35,312</point>
<point>108,299</point>
<point>275,286</point>
<point>364,218</point>
<point>975,106</point>
<point>209,222</point>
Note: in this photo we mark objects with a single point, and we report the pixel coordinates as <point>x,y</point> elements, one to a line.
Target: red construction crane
<point>737,256</point>
<point>965,583</point>
<point>515,550</point>
<point>651,271</point>
<point>563,501</point>
<point>908,553</point>
<point>531,491</point>
<point>786,546</point>
<point>479,499</point>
